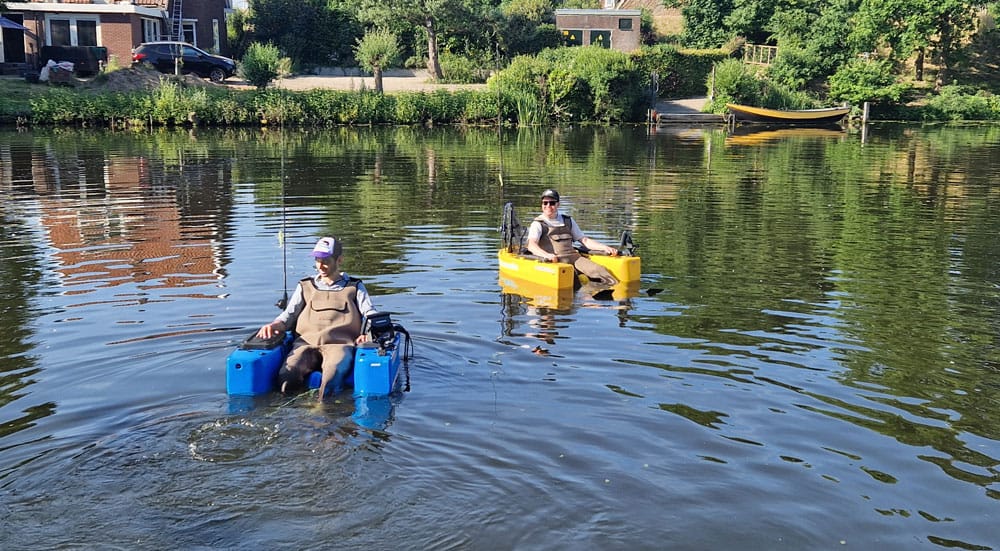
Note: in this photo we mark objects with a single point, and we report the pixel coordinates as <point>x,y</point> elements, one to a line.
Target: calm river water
<point>820,370</point>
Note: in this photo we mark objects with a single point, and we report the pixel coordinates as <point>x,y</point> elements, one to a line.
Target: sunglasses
<point>550,202</point>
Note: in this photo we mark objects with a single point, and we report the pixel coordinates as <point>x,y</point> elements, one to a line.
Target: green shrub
<point>867,80</point>
<point>278,107</point>
<point>261,64</point>
<point>958,103</point>
<point>734,82</point>
<point>170,103</point>
<point>680,73</point>
<point>613,79</point>
<point>463,70</point>
<point>481,107</point>
<point>411,108</point>
<point>521,78</point>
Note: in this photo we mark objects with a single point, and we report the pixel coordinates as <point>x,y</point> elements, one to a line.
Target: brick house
<point>609,28</point>
<point>117,25</point>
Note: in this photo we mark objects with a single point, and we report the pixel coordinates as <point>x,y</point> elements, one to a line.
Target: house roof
<point>610,13</point>
<point>54,7</point>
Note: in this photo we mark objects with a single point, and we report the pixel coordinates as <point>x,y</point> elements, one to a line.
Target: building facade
<point>608,28</point>
<point>116,25</point>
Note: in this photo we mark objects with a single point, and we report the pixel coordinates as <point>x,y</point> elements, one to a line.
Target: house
<point>111,27</point>
<point>610,28</point>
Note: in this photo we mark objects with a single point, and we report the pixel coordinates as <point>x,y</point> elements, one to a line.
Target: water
<point>818,369</point>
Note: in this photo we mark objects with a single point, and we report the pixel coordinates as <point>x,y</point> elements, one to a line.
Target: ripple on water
<point>232,439</point>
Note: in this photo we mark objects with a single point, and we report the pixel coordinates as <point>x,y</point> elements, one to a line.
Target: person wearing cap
<point>326,313</point>
<point>551,237</point>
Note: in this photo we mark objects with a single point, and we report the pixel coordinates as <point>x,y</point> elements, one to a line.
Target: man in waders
<point>551,236</point>
<point>326,313</point>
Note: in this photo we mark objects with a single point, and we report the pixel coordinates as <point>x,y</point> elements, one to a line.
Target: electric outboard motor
<point>380,330</point>
<point>511,231</point>
<point>627,247</point>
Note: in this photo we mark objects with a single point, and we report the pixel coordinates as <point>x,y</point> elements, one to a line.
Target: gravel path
<point>419,82</point>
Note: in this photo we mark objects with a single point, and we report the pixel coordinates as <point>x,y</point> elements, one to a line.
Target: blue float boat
<point>252,369</point>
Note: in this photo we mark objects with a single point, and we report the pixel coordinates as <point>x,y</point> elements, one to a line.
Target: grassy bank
<point>171,101</point>
<point>177,102</point>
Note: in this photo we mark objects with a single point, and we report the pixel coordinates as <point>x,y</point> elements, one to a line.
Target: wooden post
<point>864,114</point>
<point>711,90</point>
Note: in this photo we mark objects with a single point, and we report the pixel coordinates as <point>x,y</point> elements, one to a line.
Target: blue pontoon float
<point>252,369</point>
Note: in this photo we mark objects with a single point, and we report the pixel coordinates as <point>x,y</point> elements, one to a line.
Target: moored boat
<point>749,114</point>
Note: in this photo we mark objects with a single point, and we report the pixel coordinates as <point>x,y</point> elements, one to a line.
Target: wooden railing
<point>757,54</point>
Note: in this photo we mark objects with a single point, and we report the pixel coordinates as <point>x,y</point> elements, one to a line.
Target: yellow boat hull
<point>561,275</point>
<point>540,296</point>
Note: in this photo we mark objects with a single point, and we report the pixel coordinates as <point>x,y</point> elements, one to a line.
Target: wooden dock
<point>685,112</point>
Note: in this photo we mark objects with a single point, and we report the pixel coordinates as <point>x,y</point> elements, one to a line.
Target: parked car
<point>163,55</point>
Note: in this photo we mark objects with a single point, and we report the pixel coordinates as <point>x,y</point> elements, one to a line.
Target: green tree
<point>525,27</point>
<point>908,27</point>
<point>238,32</point>
<point>377,50</point>
<point>813,44</point>
<point>434,17</point>
<point>704,21</point>
<point>310,32</point>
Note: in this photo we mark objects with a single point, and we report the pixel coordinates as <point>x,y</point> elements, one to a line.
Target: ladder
<point>176,20</point>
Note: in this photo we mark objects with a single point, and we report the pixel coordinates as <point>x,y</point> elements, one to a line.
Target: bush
<point>260,65</point>
<point>863,80</point>
<point>521,78</point>
<point>615,87</point>
<point>462,70</point>
<point>735,82</point>
<point>958,103</point>
<point>681,73</point>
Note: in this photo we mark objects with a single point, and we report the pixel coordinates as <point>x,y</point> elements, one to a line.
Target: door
<point>195,62</point>
<point>12,41</point>
<point>165,56</point>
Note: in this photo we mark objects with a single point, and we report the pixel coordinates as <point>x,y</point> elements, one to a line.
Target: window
<point>572,37</point>
<point>150,30</point>
<point>600,38</point>
<point>86,33</point>
<point>189,35</point>
<point>625,24</point>
<point>73,31</point>
<point>59,32</point>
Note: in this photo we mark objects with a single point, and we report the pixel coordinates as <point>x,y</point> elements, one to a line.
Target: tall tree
<point>310,32</point>
<point>433,16</point>
<point>704,21</point>
<point>909,26</point>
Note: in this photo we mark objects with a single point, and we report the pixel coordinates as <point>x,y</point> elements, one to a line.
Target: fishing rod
<point>283,301</point>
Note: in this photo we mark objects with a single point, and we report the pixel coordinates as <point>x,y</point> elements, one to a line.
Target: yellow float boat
<point>531,272</point>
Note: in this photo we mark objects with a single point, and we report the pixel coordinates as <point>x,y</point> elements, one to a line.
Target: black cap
<point>551,193</point>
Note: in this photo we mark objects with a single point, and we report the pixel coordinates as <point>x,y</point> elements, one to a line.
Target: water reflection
<point>826,333</point>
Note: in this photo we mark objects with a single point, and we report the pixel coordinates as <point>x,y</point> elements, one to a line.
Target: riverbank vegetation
<point>559,85</point>
<point>910,59</point>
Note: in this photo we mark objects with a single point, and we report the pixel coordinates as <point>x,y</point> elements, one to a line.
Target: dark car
<point>163,55</point>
